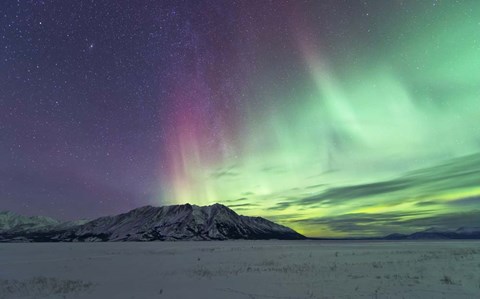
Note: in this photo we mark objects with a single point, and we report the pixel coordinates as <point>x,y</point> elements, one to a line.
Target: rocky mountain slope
<point>178,222</point>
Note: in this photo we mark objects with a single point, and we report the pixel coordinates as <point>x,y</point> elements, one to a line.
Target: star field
<point>333,117</point>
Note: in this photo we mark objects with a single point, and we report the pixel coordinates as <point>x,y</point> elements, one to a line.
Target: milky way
<point>333,117</point>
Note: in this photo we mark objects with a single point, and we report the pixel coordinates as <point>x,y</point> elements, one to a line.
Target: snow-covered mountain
<point>178,222</point>
<point>439,234</point>
<point>12,222</point>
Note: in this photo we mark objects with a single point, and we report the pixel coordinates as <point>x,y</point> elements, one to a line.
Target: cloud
<point>285,218</point>
<point>380,224</point>
<point>242,205</point>
<point>229,172</point>
<point>428,203</point>
<point>459,173</point>
<point>447,220</point>
<point>281,206</point>
<point>248,193</point>
<point>273,169</point>
<point>362,218</point>
<point>358,191</point>
<point>315,186</point>
<point>463,172</point>
<point>236,200</point>
<point>467,201</point>
<point>460,202</point>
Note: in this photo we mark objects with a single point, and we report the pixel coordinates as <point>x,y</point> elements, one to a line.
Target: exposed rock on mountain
<point>178,222</point>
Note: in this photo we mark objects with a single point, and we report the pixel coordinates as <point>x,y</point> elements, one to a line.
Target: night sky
<point>332,117</point>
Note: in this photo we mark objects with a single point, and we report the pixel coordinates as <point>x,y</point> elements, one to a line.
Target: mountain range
<point>463,233</point>
<point>176,222</point>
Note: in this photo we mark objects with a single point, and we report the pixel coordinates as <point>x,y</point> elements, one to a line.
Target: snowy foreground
<point>241,269</point>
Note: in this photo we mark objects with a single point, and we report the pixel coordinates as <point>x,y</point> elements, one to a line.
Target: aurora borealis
<point>336,118</point>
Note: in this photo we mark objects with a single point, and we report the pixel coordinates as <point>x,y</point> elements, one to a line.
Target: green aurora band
<point>383,137</point>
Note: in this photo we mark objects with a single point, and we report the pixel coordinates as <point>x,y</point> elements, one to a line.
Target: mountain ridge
<point>12,221</point>
<point>461,233</point>
<point>166,223</point>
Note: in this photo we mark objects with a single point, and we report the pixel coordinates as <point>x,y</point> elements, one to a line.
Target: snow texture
<point>241,269</point>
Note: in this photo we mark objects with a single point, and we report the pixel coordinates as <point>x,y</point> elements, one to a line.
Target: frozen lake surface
<point>241,269</point>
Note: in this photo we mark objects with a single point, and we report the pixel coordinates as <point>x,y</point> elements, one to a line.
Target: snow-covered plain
<point>241,269</point>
